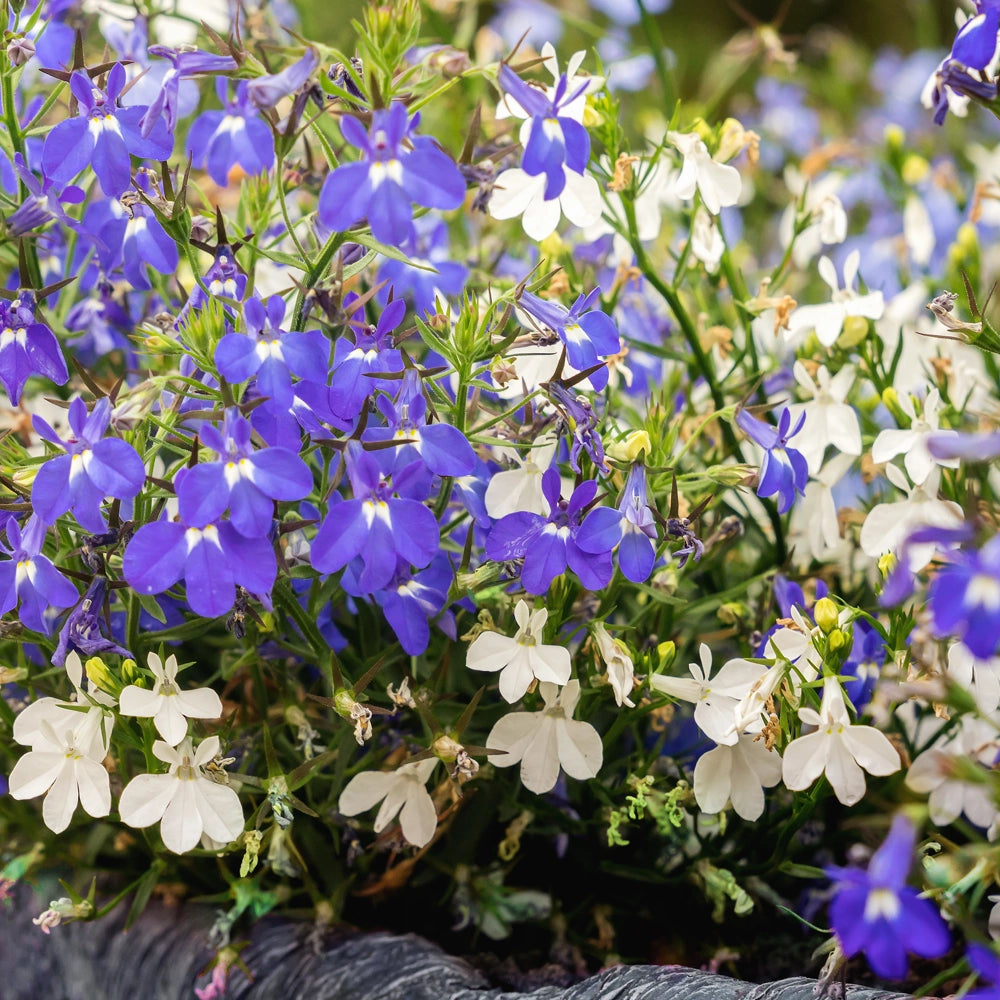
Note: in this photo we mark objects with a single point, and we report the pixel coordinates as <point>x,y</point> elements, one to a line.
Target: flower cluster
<point>318,469</point>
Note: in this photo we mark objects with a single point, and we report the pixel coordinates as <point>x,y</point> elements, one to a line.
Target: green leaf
<point>143,892</point>
<point>150,606</point>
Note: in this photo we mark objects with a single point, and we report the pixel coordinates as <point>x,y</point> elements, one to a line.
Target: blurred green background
<point>695,28</point>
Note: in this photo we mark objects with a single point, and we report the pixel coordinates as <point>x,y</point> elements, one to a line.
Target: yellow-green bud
<point>130,672</point>
<point>447,749</point>
<point>967,237</point>
<point>344,702</point>
<point>667,652</point>
<point>733,612</point>
<point>98,673</point>
<point>886,564</point>
<point>552,246</point>
<point>855,331</point>
<point>636,444</point>
<point>891,400</point>
<point>295,716</point>
<point>915,169</point>
<point>826,615</point>
<point>895,136</point>
<point>25,476</point>
<point>836,640</point>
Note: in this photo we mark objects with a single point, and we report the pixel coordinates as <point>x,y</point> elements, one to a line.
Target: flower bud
<point>100,675</point>
<point>19,50</point>
<point>836,640</point>
<point>855,331</point>
<point>25,475</point>
<point>446,748</point>
<point>886,564</point>
<point>634,445</point>
<point>915,169</point>
<point>895,136</point>
<point>667,652</point>
<point>826,615</point>
<point>130,673</point>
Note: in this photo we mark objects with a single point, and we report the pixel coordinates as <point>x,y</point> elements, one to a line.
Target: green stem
<point>655,39</point>
<point>683,319</point>
<point>314,274</point>
<point>34,275</point>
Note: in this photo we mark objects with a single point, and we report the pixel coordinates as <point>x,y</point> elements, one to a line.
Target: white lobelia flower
<point>828,319</point>
<point>737,774</point>
<point>520,489</point>
<point>715,699</point>
<point>838,749</point>
<point>827,220</point>
<point>401,792</point>
<point>918,229</point>
<point>933,773</point>
<point>166,704</point>
<point>656,182</point>
<point>520,659</point>
<point>61,715</point>
<point>518,193</point>
<point>829,419</point>
<point>187,803</point>
<point>545,741</point>
<point>814,517</point>
<point>64,765</point>
<point>888,524</point>
<point>911,442</point>
<point>621,669</point>
<point>981,678</point>
<point>718,183</point>
<point>706,240</point>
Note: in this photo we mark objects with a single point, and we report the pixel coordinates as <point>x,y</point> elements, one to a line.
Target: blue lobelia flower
<point>410,600</point>
<point>266,91</point>
<point>83,631</point>
<point>549,545</point>
<point>133,239</point>
<point>270,353</point>
<point>976,41</point>
<point>964,598</point>
<point>430,250</point>
<point>379,528</point>
<point>372,353</point>
<point>30,577</point>
<point>102,136</point>
<point>636,529</point>
<point>588,334</point>
<point>877,913</point>
<point>554,142</point>
<point>577,417</point>
<point>783,470</point>
<point>93,468</point>
<point>212,558</point>
<point>44,202</point>
<point>399,169</point>
<point>103,324</point>
<point>245,480</point>
<point>987,964</point>
<point>27,347</point>
<point>952,79</point>
<point>183,65</point>
<point>443,449</point>
<point>237,136</point>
